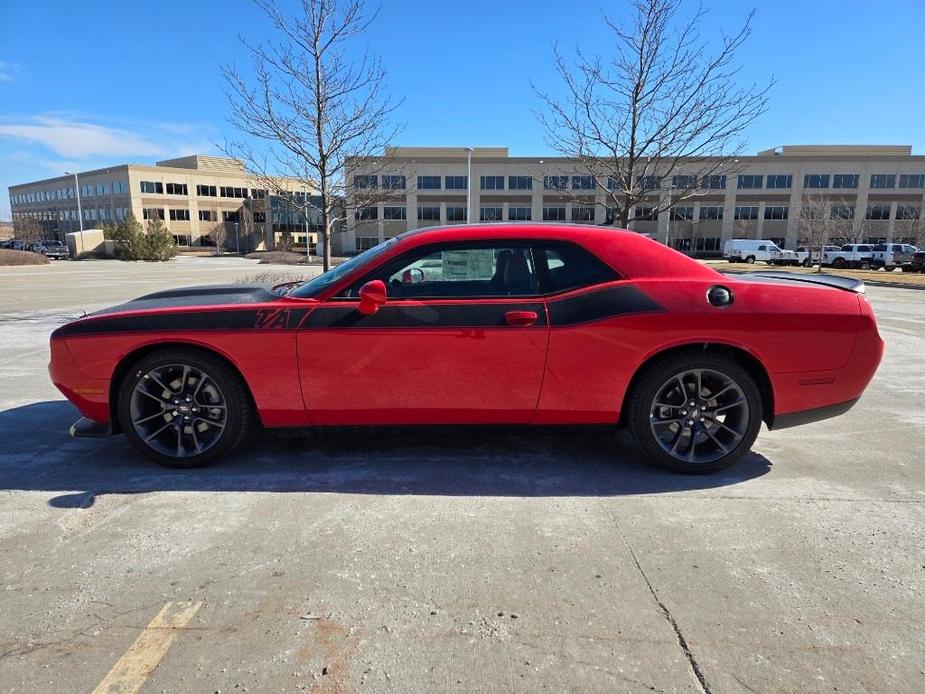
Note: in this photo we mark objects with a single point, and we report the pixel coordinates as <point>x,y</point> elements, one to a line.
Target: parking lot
<point>452,561</point>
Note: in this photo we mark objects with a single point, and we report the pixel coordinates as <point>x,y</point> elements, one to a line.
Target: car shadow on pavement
<point>38,455</point>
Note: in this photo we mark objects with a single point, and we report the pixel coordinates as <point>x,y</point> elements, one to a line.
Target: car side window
<point>564,267</point>
<point>459,272</point>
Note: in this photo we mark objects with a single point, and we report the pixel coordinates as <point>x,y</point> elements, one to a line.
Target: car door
<point>461,339</point>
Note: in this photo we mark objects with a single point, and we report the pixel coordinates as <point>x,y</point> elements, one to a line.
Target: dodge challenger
<point>503,324</point>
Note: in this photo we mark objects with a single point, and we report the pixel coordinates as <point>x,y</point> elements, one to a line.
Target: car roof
<point>629,252</point>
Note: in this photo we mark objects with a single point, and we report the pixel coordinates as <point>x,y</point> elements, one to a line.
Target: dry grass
<point>9,257</point>
<point>271,277</point>
<point>288,258</point>
<point>873,277</point>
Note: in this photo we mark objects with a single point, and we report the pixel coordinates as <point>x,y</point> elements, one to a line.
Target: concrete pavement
<point>506,561</point>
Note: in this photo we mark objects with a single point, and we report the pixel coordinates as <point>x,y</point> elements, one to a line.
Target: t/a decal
<point>279,318</point>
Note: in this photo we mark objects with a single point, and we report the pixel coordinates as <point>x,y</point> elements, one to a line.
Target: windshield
<point>318,284</point>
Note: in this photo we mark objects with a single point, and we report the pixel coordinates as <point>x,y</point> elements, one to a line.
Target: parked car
<point>808,258</point>
<point>892,255</point>
<point>916,263</point>
<point>52,249</point>
<point>509,324</point>
<point>750,250</point>
<point>854,255</point>
<point>18,245</point>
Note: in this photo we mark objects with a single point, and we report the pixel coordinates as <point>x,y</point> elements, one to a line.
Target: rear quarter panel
<point>789,329</point>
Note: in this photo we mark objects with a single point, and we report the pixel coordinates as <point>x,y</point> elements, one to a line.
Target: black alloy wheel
<point>695,413</point>
<point>183,408</point>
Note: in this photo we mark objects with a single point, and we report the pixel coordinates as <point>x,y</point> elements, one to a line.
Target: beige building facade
<point>879,189</point>
<point>191,194</point>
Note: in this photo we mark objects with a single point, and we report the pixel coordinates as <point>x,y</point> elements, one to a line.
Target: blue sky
<point>87,84</point>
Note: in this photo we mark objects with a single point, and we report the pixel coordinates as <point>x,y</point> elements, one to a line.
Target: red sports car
<point>479,324</point>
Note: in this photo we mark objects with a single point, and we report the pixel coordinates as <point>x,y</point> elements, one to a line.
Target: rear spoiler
<point>848,284</point>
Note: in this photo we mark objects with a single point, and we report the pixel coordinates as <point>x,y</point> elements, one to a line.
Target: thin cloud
<point>8,70</point>
<point>81,139</point>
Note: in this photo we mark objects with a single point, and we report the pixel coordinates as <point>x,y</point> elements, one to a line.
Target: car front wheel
<point>183,408</point>
<point>696,413</point>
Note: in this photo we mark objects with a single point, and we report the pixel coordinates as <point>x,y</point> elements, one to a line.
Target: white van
<point>750,250</point>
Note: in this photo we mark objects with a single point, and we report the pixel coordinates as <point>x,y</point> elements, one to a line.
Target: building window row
<point>86,191</point>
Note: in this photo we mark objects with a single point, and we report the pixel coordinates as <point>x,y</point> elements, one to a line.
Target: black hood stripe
<point>231,319</point>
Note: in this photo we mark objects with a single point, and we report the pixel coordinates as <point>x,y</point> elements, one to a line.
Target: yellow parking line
<point>143,656</point>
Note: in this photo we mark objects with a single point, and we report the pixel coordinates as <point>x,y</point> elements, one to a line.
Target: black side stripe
<point>396,315</point>
<point>584,308</point>
<point>600,305</point>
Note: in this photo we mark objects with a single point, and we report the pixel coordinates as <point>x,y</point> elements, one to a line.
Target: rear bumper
<point>90,429</point>
<point>804,397</point>
<point>795,419</point>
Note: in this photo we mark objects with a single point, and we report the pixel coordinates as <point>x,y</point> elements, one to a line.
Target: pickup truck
<point>917,264</point>
<point>783,256</point>
<point>855,255</point>
<point>892,255</point>
<point>52,249</point>
<point>808,258</point>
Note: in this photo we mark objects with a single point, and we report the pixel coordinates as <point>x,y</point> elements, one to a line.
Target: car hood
<point>195,297</point>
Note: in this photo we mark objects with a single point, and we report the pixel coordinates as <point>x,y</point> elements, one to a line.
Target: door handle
<point>520,319</point>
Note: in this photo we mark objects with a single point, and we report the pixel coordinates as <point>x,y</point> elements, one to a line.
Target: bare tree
<point>909,225</point>
<point>28,230</point>
<point>218,233</point>
<point>824,220</point>
<point>247,225</point>
<point>312,107</point>
<point>663,105</point>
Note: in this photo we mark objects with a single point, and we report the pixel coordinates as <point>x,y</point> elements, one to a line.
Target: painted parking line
<point>139,661</point>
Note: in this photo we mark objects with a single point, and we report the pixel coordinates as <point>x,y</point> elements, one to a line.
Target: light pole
<point>468,185</point>
<point>668,228</point>
<point>80,215</point>
<point>308,247</point>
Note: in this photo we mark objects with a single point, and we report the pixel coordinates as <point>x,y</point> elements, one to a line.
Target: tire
<point>889,268</point>
<point>660,380</point>
<point>203,380</point>
<point>750,260</point>
<point>839,263</point>
<point>770,262</point>
<point>864,265</point>
<point>807,263</point>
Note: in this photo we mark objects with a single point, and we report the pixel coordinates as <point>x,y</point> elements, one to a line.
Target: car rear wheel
<point>183,408</point>
<point>807,263</point>
<point>839,263</point>
<point>750,259</point>
<point>695,413</point>
<point>864,265</point>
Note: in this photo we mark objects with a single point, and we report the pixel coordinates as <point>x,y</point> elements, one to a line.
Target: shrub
<point>133,244</point>
<point>129,238</point>
<point>158,244</point>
